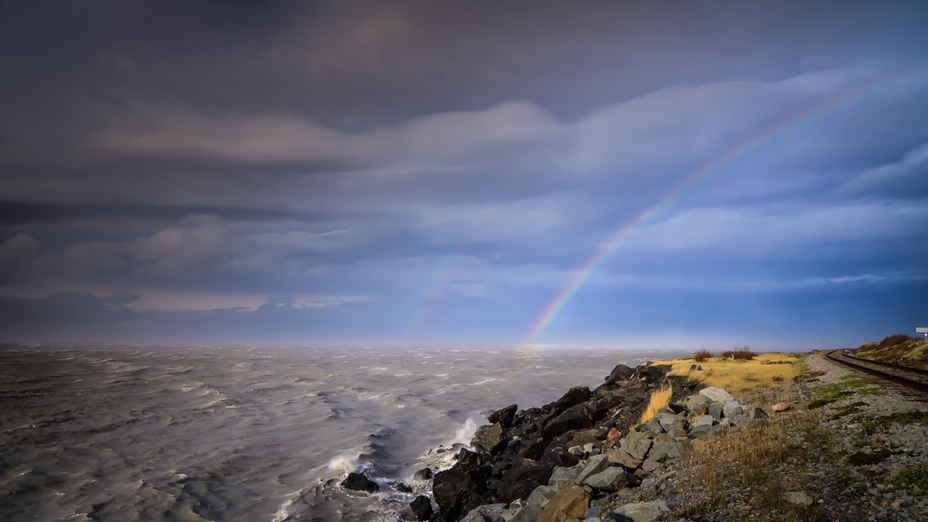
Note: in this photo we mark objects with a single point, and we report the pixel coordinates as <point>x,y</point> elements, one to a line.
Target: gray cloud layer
<point>436,172</point>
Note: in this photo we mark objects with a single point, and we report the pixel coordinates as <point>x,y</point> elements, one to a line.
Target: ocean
<point>253,434</point>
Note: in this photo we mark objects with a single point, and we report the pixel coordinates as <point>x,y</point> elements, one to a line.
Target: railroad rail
<point>913,378</point>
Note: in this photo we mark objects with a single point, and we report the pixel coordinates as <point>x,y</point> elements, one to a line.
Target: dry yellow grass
<point>660,398</point>
<point>739,376</point>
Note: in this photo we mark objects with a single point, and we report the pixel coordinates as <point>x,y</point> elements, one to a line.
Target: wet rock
<point>524,477</point>
<point>422,507</point>
<point>423,474</point>
<point>489,438</point>
<point>565,505</point>
<point>504,416</point>
<point>458,490</point>
<point>358,482</point>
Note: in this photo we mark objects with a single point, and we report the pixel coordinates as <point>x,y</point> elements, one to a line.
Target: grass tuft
<point>660,398</point>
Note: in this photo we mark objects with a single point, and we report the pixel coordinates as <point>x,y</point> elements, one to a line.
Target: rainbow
<point>731,156</point>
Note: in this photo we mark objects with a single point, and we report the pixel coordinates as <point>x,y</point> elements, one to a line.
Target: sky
<point>521,173</point>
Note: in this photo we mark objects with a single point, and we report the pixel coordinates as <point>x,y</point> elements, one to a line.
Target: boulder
<point>504,416</point>
<point>619,373</point>
<point>674,425</point>
<point>458,490</point>
<point>358,482</point>
<point>703,420</point>
<point>716,394</point>
<point>731,409</point>
<point>562,476</point>
<point>422,507</point>
<point>652,373</point>
<point>565,505</point>
<point>534,504</point>
<point>487,513</point>
<point>489,438</point>
<point>574,396</point>
<point>611,478</point>
<point>641,511</point>
<point>697,401</point>
<point>715,409</point>
<point>573,419</point>
<point>423,474</point>
<point>524,477</point>
<point>636,445</point>
<point>593,465</point>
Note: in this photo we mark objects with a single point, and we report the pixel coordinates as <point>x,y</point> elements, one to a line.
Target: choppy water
<point>250,434</point>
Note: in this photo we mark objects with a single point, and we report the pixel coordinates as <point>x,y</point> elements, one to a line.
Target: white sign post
<point>922,330</point>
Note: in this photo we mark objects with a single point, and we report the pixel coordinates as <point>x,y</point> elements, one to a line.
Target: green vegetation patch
<point>871,426</point>
<point>847,386</point>
<point>913,477</point>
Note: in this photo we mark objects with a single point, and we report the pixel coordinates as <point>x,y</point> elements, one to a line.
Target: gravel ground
<point>834,469</point>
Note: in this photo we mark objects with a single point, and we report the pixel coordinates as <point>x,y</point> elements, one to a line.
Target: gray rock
<point>652,426</point>
<point>700,431</point>
<point>534,505</point>
<point>703,420</point>
<point>611,478</point>
<point>674,425</point>
<point>563,475</point>
<point>623,458</point>
<point>594,465</point>
<point>799,498</point>
<point>488,513</point>
<point>642,511</point>
<point>732,409</point>
<point>593,512</point>
<point>693,401</point>
<point>715,409</point>
<point>636,445</point>
<point>757,413</point>
<point>665,451</point>
<point>716,394</point>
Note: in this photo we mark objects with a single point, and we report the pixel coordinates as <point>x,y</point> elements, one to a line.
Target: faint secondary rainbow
<point>729,157</point>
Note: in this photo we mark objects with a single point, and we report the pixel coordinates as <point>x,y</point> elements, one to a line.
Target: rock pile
<point>568,459</point>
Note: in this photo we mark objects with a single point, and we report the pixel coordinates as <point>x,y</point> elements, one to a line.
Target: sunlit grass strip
<point>660,398</point>
<point>738,376</point>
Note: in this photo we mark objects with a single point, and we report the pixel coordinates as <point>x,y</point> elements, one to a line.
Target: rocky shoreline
<point>832,455</point>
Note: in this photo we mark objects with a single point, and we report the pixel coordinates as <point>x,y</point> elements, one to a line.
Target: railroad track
<point>909,377</point>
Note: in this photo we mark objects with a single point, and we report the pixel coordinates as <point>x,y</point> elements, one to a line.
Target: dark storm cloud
<point>306,167</point>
